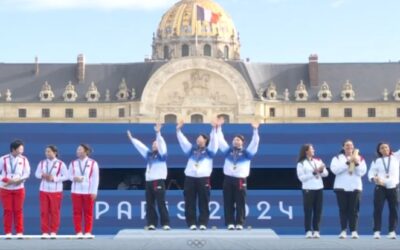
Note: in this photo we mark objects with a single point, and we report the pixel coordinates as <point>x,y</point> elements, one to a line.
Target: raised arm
<point>222,144</point>
<point>162,146</point>
<point>255,140</point>
<point>143,149</point>
<point>183,141</point>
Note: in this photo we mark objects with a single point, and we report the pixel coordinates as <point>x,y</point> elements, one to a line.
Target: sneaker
<point>151,228</point>
<point>239,227</point>
<point>8,236</point>
<point>45,236</point>
<point>166,228</point>
<point>308,235</point>
<point>343,235</point>
<point>202,227</point>
<point>20,236</point>
<point>231,227</point>
<point>89,236</point>
<point>53,236</point>
<point>377,235</point>
<point>354,235</point>
<point>316,235</point>
<point>392,235</point>
<point>79,235</point>
<point>193,227</point>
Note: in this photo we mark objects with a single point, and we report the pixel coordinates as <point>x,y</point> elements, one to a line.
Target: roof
<point>368,79</point>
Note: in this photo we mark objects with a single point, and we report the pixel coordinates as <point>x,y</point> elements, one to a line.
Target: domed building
<point>183,32</point>
<point>196,73</point>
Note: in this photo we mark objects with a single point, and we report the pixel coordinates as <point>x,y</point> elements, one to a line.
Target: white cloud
<point>84,4</point>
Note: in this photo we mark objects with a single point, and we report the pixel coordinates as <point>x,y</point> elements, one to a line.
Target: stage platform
<point>205,240</point>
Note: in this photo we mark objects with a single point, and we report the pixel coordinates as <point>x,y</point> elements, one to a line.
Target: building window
<point>121,112</point>
<point>69,113</point>
<point>22,113</point>
<point>196,119</point>
<point>348,112</point>
<point>225,116</point>
<point>272,112</point>
<point>207,50</point>
<point>170,118</point>
<point>45,113</point>
<point>185,50</point>
<point>92,113</point>
<point>372,112</point>
<point>398,112</point>
<point>301,112</point>
<point>324,112</point>
<point>226,52</point>
<point>166,52</point>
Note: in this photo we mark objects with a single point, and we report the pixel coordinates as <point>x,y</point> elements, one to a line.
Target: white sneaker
<point>79,235</point>
<point>377,235</point>
<point>166,228</point>
<point>151,228</point>
<point>354,235</point>
<point>20,236</point>
<point>343,235</point>
<point>193,227</point>
<point>202,227</point>
<point>53,236</point>
<point>231,227</point>
<point>392,235</point>
<point>239,227</point>
<point>89,236</point>
<point>308,235</point>
<point>316,235</point>
<point>45,236</point>
<point>8,236</point>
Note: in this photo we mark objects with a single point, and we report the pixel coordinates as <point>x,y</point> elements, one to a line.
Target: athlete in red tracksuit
<point>52,172</point>
<point>84,174</point>
<point>15,170</point>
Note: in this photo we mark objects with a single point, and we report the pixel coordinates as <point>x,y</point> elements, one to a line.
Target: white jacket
<point>390,179</point>
<point>89,169</point>
<point>344,180</point>
<point>12,168</point>
<point>305,174</point>
<point>57,169</point>
<point>156,168</point>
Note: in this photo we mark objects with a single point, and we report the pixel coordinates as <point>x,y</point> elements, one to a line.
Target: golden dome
<point>181,21</point>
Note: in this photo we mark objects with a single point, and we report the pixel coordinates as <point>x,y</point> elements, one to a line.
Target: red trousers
<point>13,201</point>
<point>50,205</point>
<point>82,204</point>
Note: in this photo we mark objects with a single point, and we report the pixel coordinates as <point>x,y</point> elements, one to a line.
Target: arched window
<point>226,52</point>
<point>170,118</point>
<point>166,52</point>
<point>207,50</point>
<point>185,50</point>
<point>226,117</point>
<point>196,119</point>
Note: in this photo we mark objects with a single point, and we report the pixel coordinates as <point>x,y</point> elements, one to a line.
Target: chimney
<point>313,70</point>
<point>36,66</point>
<point>80,71</point>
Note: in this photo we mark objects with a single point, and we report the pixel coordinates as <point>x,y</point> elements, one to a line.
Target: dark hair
<point>15,145</point>
<point>379,146</point>
<point>205,137</point>
<point>344,142</point>
<point>241,137</point>
<point>303,152</point>
<point>53,148</point>
<point>87,148</point>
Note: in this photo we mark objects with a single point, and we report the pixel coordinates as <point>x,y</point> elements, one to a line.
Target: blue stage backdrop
<point>280,210</point>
